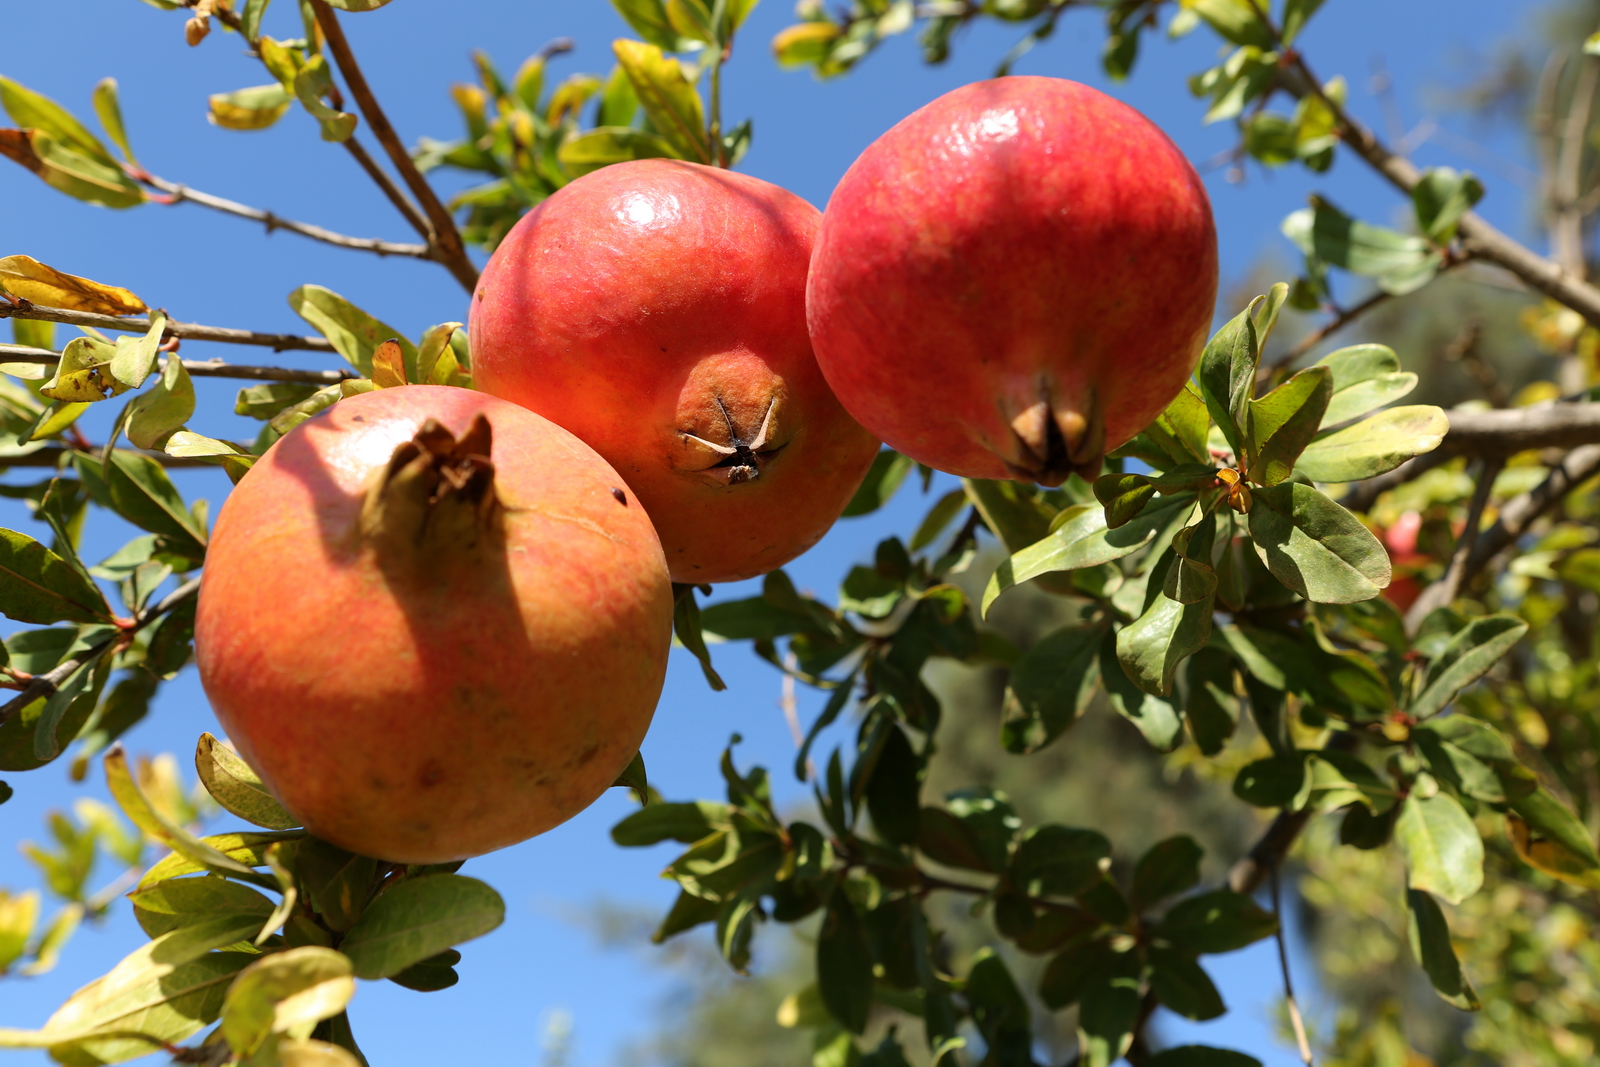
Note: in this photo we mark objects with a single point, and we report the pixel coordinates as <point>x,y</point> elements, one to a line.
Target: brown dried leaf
<point>27,278</point>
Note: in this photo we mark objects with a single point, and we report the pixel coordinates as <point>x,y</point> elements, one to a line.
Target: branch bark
<point>188,331</point>
<point>180,193</point>
<point>44,686</point>
<point>1444,591</point>
<point>214,368</point>
<point>1506,431</point>
<point>1520,513</point>
<point>447,245</point>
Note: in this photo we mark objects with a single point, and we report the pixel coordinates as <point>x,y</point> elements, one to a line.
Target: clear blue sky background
<point>207,268</point>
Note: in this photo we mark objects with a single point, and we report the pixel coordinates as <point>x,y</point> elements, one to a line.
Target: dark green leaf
<point>1227,376</point>
<point>1108,1012</point>
<point>1397,262</point>
<point>1441,196</point>
<point>432,974</point>
<point>1211,708</point>
<point>1156,719</point>
<point>1219,921</point>
<point>1550,838</point>
<point>1281,424</point>
<point>1315,547</point>
<point>140,491</point>
<point>1468,656</point>
<point>1182,985</point>
<point>686,626</point>
<point>1000,1011</point>
<point>889,469</point>
<point>687,912</point>
<point>37,586</point>
<point>1124,496</point>
<point>1201,1055</point>
<point>1169,867</point>
<point>1430,944</point>
<point>892,791</point>
<point>1059,861</point>
<point>418,918</point>
<point>1050,687</point>
<point>1472,736</point>
<point>187,901</point>
<point>1273,782</point>
<point>337,882</point>
<point>1071,972</point>
<point>844,964</point>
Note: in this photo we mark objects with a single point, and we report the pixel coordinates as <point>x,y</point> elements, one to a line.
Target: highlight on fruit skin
<point>657,310</point>
<point>435,623</point>
<point>1014,280</point>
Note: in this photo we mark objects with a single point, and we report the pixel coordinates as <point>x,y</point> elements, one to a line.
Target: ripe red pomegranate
<point>1014,280</point>
<point>435,623</point>
<point>657,310</point>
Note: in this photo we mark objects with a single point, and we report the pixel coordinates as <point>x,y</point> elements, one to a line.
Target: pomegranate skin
<point>1014,280</point>
<point>657,310</point>
<point>457,696</point>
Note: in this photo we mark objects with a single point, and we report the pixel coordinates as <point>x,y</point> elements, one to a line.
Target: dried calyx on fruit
<point>437,492</point>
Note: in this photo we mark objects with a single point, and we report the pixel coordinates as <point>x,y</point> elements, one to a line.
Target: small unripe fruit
<point>657,310</point>
<point>1014,280</point>
<point>430,625</point>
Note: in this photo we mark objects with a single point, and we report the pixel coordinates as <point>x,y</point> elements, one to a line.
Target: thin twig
<point>1443,592</point>
<point>180,193</point>
<point>1519,514</point>
<point>1288,986</point>
<point>188,331</point>
<point>1311,340</point>
<point>213,368</point>
<point>396,195</point>
<point>1507,431</point>
<point>1464,350</point>
<point>448,248</point>
<point>44,686</point>
<point>53,455</point>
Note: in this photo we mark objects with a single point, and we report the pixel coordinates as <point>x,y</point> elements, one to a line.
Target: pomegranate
<point>1014,280</point>
<point>435,623</point>
<point>657,310</point>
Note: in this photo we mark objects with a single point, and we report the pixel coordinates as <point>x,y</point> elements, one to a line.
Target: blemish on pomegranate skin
<point>432,772</point>
<point>587,755</point>
<point>622,498</point>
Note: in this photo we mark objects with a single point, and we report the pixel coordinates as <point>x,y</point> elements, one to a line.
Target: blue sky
<point>208,268</point>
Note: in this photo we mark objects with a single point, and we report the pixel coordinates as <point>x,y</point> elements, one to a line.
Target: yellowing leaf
<point>66,168</point>
<point>255,108</point>
<point>84,374</point>
<point>389,365</point>
<point>668,97</point>
<point>27,278</point>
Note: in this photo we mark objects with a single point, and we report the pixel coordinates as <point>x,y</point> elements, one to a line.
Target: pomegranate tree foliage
<point>1222,594</point>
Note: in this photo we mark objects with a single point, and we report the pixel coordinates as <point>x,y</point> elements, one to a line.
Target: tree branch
<point>1288,986</point>
<point>188,331</point>
<point>396,195</point>
<point>214,368</point>
<point>1506,431</point>
<point>1321,333</point>
<point>44,686</point>
<point>180,193</point>
<point>1520,513</point>
<point>448,248</point>
<point>1443,592</point>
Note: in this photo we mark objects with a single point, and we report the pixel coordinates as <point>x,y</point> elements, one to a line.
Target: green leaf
<point>233,459</point>
<point>155,415</point>
<point>939,516</point>
<point>432,974</point>
<point>255,108</point>
<point>250,20</point>
<point>1315,547</point>
<point>649,20</point>
<point>84,374</point>
<point>1354,398</point>
<point>1156,719</point>
<point>1000,1011</point>
<point>311,83</point>
<point>338,883</point>
<point>889,469</point>
<point>1296,13</point>
<point>419,918</point>
<point>1124,496</point>
<point>1430,943</point>
<point>1151,648</point>
<point>591,149</point>
<point>1235,21</point>
<point>140,491</point>
<point>354,334</point>
<point>33,111</point>
<point>109,111</point>
<point>1227,375</point>
<point>1467,657</point>
<point>1551,839</point>
<point>163,991</point>
<point>1375,445</point>
<point>1201,1055</point>
<point>247,848</point>
<point>135,358</point>
<point>286,992</point>
<point>1442,846</point>
<point>144,815</point>
<point>1059,861</point>
<point>1168,868</point>
<point>686,626</point>
<point>1398,263</point>
<point>892,790</point>
<point>1082,540</point>
<point>844,963</point>
<point>1211,709</point>
<point>1273,782</point>
<point>37,586</point>
<point>685,822</point>
<point>68,170</point>
<point>1441,196</point>
<point>1215,922</point>
<point>668,97</point>
<point>1281,424</point>
<point>178,902</point>
<point>1108,1013</point>
<point>18,916</point>
<point>357,5</point>
<point>1050,687</point>
<point>1072,970</point>
<point>237,788</point>
<point>1472,736</point>
<point>1182,985</point>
